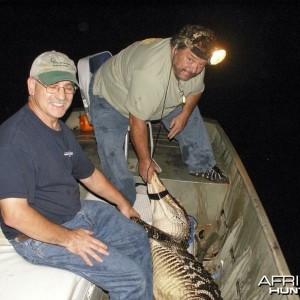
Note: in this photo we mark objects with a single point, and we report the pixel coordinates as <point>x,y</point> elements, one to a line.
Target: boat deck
<point>166,154</point>
<point>244,247</point>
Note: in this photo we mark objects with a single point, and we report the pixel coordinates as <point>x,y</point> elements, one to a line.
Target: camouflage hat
<point>199,39</point>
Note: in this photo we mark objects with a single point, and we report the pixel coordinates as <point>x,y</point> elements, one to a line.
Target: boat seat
<point>86,67</point>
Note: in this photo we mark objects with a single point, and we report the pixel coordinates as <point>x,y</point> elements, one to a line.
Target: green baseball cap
<point>51,67</point>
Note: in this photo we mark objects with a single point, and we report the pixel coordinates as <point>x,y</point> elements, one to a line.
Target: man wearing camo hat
<point>154,79</point>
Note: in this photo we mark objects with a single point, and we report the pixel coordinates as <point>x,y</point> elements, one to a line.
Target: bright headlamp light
<point>214,57</point>
<point>217,56</point>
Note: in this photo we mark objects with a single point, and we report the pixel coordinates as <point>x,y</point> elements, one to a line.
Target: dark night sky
<point>252,93</point>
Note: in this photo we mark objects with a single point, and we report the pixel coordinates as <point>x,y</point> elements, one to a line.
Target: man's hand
<point>81,242</point>
<point>177,124</point>
<point>128,211</point>
<point>147,168</point>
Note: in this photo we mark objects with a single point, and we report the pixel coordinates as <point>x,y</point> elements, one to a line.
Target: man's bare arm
<point>139,138</point>
<point>101,186</point>
<point>18,214</point>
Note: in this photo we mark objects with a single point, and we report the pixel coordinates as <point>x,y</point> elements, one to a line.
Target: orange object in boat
<point>84,123</point>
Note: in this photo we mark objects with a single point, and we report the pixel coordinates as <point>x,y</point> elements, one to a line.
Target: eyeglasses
<point>54,88</point>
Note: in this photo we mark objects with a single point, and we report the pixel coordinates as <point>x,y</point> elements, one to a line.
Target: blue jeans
<point>126,273</point>
<point>193,140</point>
<point>110,129</point>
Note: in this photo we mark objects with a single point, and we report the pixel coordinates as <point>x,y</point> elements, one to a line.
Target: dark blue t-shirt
<point>41,165</point>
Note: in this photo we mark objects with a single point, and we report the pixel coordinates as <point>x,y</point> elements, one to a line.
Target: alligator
<point>177,274</point>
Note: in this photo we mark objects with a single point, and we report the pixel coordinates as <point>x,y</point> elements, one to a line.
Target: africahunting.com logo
<point>281,284</point>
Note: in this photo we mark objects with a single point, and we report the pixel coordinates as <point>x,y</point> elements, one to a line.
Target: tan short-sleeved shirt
<point>139,80</point>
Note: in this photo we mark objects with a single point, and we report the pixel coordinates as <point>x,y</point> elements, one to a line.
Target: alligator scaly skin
<point>177,274</point>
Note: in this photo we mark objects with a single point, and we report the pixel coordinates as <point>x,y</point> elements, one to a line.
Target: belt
<point>21,238</point>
